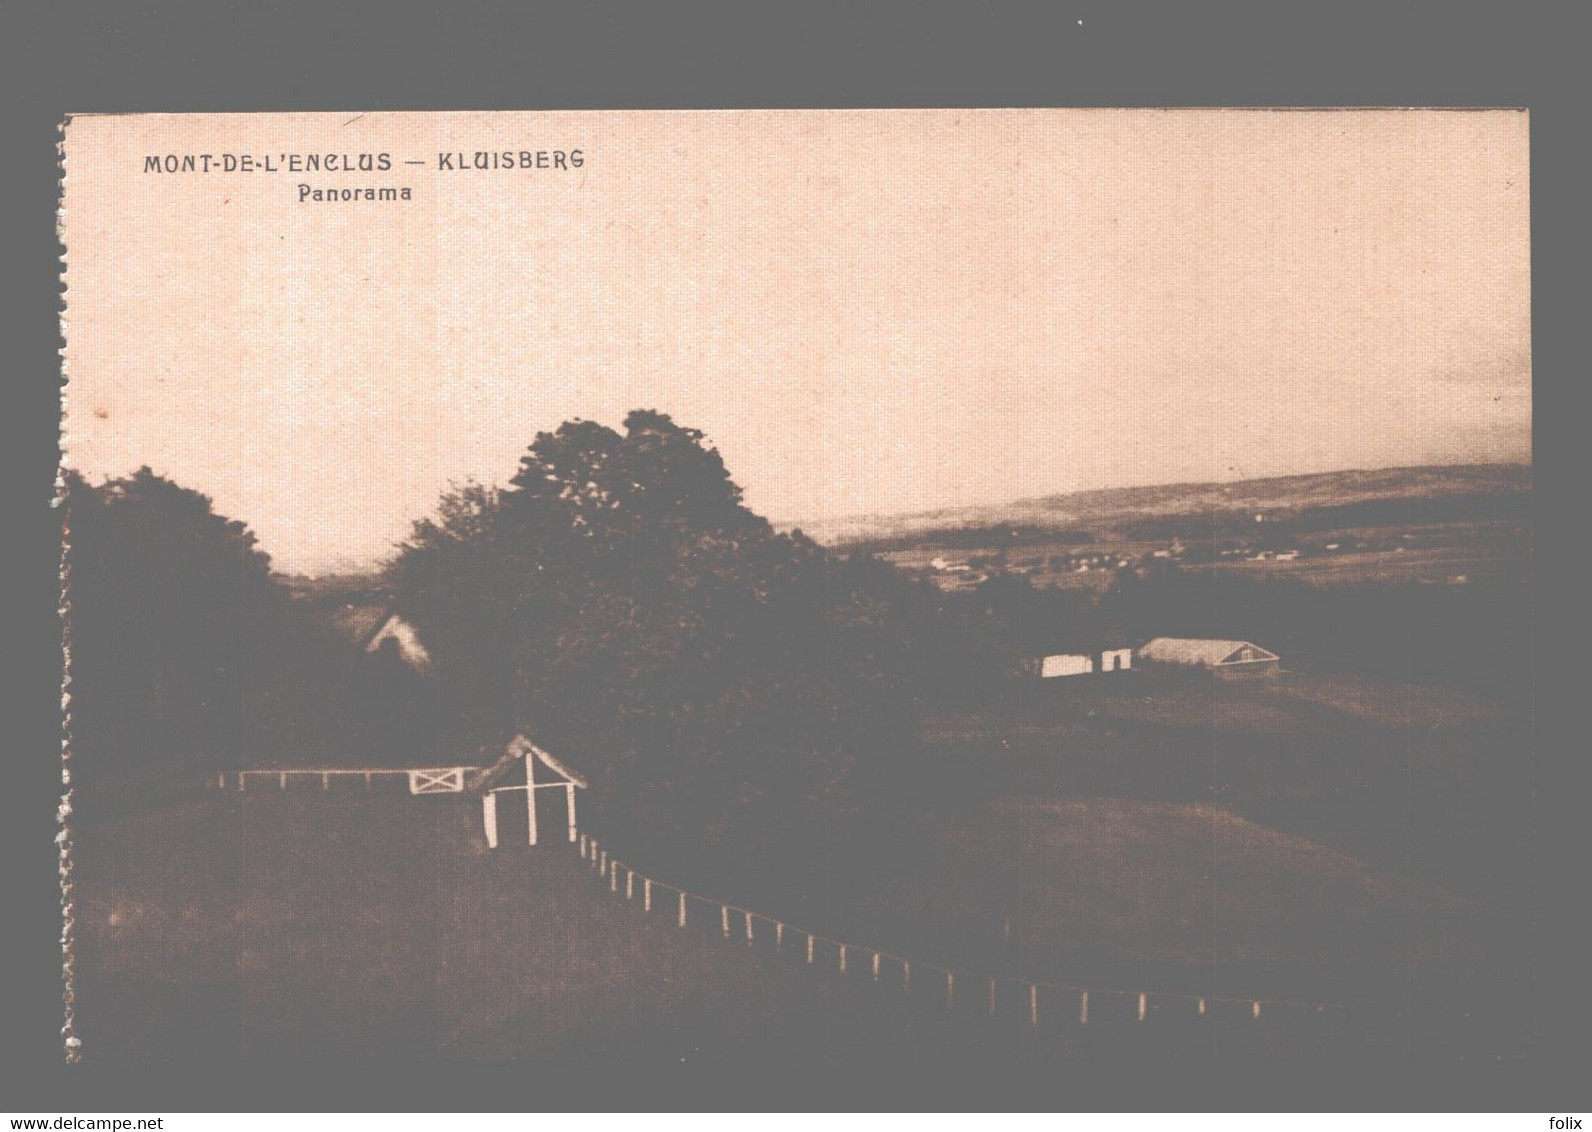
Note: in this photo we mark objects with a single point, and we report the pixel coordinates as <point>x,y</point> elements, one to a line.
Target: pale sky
<point>865,311</point>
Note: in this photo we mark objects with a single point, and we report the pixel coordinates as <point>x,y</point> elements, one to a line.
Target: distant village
<point>1096,565</point>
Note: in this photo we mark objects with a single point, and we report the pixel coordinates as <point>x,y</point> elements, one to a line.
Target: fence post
<point>613,876</point>
<point>602,869</point>
<point>646,895</point>
<point>779,935</point>
<point>1083,1008</point>
<point>842,959</point>
<point>326,780</point>
<point>367,780</point>
<point>906,975</point>
<point>489,818</point>
<point>992,996</point>
<point>241,775</point>
<point>1202,1006</point>
<point>950,989</point>
<point>583,847</point>
<point>749,929</point>
<point>682,909</point>
<point>1142,1005</point>
<point>876,966</point>
<point>1257,1011</point>
<point>630,883</point>
<point>724,919</point>
<point>1033,1005</point>
<point>281,780</point>
<point>809,949</point>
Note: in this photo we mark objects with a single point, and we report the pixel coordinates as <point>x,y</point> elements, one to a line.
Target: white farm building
<point>1116,660</point>
<point>1082,664</point>
<point>1065,664</point>
<point>1225,660</point>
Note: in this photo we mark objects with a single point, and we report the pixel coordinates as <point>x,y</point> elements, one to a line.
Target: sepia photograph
<point>945,593</point>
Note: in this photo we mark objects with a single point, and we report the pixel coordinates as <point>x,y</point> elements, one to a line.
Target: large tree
<point>619,599</point>
<point>162,591</point>
<point>187,656</point>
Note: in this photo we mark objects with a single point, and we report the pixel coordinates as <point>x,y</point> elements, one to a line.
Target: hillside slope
<point>356,934</point>
<point>1108,510</point>
<point>300,926</point>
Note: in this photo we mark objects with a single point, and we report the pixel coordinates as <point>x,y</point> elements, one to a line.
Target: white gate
<point>444,780</point>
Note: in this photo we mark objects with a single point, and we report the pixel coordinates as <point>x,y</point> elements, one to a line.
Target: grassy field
<point>1328,831</point>
<point>1431,779</point>
<point>1178,897</point>
<point>305,934</point>
<point>302,929</point>
<point>1326,838</point>
<point>1108,877</point>
<point>304,926</point>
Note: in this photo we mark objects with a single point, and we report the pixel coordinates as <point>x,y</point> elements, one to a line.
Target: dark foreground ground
<point>1339,834</point>
<point>303,932</point>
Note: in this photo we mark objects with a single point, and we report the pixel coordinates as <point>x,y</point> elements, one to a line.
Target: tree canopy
<point>619,598</point>
<point>186,655</point>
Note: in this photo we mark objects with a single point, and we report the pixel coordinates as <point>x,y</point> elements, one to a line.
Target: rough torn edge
<point>71,1045</point>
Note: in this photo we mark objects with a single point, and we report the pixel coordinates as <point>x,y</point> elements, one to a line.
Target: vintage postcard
<point>1035,590</point>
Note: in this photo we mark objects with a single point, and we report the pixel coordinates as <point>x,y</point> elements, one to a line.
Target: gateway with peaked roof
<point>523,756</point>
<point>1226,660</point>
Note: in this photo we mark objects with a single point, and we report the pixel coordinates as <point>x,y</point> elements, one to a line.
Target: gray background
<point>389,56</point>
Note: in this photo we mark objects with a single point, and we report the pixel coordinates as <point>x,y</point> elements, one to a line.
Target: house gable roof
<point>519,748</point>
<point>359,623</point>
<point>1247,653</point>
<point>1210,653</point>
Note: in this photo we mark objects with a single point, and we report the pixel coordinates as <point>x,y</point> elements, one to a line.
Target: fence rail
<point>734,920</point>
<point>421,780</point>
<point>750,925</point>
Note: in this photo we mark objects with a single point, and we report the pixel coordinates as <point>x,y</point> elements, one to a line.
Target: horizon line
<point>789,525</point>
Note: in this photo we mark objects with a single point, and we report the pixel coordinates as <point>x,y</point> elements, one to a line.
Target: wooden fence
<point>953,987</point>
<point>420,780</point>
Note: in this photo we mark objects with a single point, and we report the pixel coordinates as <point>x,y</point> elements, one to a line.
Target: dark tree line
<point>187,657</point>
<point>1477,634</point>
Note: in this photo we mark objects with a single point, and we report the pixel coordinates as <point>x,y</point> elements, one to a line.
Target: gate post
<point>530,797</point>
<point>489,818</point>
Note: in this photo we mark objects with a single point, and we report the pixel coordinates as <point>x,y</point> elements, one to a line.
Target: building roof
<point>1202,651</point>
<point>1087,651</point>
<point>520,748</point>
<point>359,622</point>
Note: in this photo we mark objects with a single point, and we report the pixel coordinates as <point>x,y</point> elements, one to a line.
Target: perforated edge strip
<point>71,1045</point>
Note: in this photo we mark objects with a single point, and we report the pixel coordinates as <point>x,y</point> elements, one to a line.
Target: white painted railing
<point>421,780</point>
<point>736,920</point>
